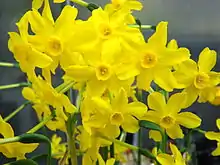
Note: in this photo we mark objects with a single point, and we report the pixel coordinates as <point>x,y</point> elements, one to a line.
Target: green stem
<point>81,3</point>
<point>199,130</point>
<point>66,87</point>
<point>10,140</point>
<point>16,111</point>
<point>164,141</point>
<point>104,153</point>
<point>2,87</point>
<point>71,127</point>
<point>142,26</point>
<point>42,123</point>
<point>7,64</point>
<point>139,145</point>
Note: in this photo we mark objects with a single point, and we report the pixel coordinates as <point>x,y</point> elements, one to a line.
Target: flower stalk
<point>2,87</point>
<point>10,65</point>
<point>16,111</point>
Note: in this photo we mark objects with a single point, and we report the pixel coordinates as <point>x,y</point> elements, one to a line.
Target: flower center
<point>201,80</point>
<point>167,121</point>
<point>105,30</point>
<point>55,46</point>
<point>116,118</point>
<point>103,72</point>
<point>148,60</point>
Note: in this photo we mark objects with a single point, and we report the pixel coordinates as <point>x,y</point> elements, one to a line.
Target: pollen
<point>201,80</point>
<point>116,118</point>
<point>103,72</point>
<point>167,121</point>
<point>148,60</point>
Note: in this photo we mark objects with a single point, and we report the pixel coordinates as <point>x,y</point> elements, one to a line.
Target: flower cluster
<point>108,60</point>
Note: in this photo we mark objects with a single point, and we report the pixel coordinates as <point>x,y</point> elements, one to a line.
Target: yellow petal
<point>191,96</point>
<point>207,60</point>
<point>28,94</point>
<point>96,87</point>
<point>155,135</point>
<point>58,1</point>
<point>39,59</point>
<point>80,73</point>
<point>36,4</point>
<point>135,5</point>
<point>110,161</point>
<point>160,36</point>
<point>212,135</point>
<point>130,124</point>
<point>176,102</point>
<point>137,109</point>
<point>47,12</point>
<point>120,100</point>
<point>165,159</point>
<point>153,116</point>
<point>175,132</point>
<point>6,130</point>
<point>68,15</point>
<point>188,120</point>
<point>172,44</point>
<point>165,79</point>
<point>177,155</point>
<point>144,79</point>
<point>156,101</point>
<point>37,22</point>
<point>216,152</point>
<point>218,123</point>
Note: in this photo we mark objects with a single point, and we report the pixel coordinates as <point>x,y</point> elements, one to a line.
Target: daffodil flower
<point>156,60</point>
<point>198,79</point>
<point>168,115</point>
<point>13,150</point>
<point>174,159</point>
<point>43,95</point>
<point>215,136</point>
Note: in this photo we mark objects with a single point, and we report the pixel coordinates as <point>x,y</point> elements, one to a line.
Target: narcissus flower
<point>198,79</point>
<point>215,136</point>
<point>118,112</point>
<point>13,150</point>
<point>26,54</point>
<point>174,159</point>
<point>168,115</point>
<point>58,148</point>
<point>156,60</point>
<point>44,96</point>
<point>51,37</point>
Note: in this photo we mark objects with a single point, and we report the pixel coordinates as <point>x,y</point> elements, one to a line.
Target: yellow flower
<point>26,54</point>
<point>44,96</point>
<point>57,149</point>
<point>110,33</point>
<point>51,37</point>
<point>100,73</point>
<point>110,161</point>
<point>215,136</point>
<point>118,113</point>
<point>156,60</point>
<point>216,101</point>
<point>174,159</point>
<point>198,79</point>
<point>13,150</point>
<point>91,142</point>
<point>168,115</point>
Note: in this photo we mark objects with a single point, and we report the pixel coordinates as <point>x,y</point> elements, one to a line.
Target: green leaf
<point>150,125</point>
<point>37,138</point>
<point>23,162</point>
